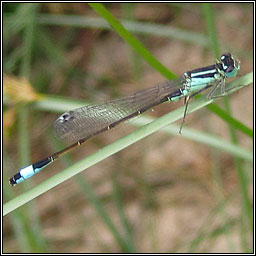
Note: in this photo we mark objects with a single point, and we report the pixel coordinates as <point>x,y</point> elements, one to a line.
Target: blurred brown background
<point>175,195</point>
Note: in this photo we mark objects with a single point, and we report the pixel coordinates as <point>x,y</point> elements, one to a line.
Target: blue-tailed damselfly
<point>80,124</point>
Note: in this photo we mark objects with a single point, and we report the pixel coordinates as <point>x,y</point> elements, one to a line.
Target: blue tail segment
<point>28,171</point>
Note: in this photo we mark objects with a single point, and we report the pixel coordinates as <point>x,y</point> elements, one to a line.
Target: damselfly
<point>80,124</point>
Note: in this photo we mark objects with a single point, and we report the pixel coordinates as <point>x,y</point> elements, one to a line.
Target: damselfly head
<point>229,64</point>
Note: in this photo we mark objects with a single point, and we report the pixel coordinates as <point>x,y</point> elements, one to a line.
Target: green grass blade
<point>241,81</point>
<point>211,28</point>
<point>204,138</point>
<point>145,28</point>
<point>230,120</point>
<point>98,205</point>
<point>132,41</point>
<point>123,219</point>
<point>103,153</point>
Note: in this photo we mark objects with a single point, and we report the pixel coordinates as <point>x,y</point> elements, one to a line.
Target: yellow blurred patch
<point>8,118</point>
<point>18,90</point>
<point>8,121</point>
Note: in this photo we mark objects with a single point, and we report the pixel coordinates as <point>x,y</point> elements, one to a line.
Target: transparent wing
<point>90,120</point>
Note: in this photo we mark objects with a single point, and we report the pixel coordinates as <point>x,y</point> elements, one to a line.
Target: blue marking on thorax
<point>199,78</point>
<point>199,83</point>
